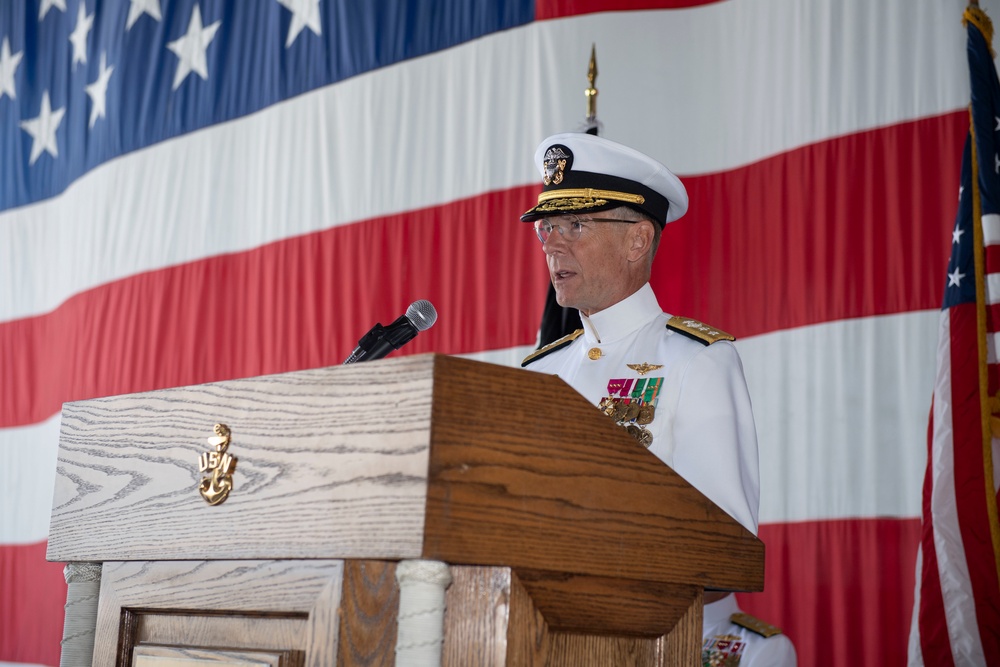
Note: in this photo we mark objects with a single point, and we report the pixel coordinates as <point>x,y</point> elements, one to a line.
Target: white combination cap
<point>583,173</point>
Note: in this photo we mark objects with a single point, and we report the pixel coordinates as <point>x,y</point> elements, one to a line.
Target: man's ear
<point>640,240</point>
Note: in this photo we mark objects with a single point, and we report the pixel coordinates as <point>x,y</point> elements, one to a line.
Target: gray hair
<point>632,215</point>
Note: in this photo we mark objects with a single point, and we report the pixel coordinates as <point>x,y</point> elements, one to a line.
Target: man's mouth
<point>561,275</point>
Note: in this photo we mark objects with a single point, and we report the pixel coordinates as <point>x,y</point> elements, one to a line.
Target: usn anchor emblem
<point>215,487</point>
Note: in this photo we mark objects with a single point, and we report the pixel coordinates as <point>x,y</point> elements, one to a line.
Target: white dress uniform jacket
<point>732,638</point>
<point>703,425</point>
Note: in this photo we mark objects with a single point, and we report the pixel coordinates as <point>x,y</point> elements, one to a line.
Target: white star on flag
<point>956,236</point>
<point>304,13</point>
<point>43,129</point>
<point>49,4</point>
<point>140,7</point>
<point>98,91</point>
<point>8,65</point>
<point>79,35</point>
<point>190,48</point>
<point>955,279</point>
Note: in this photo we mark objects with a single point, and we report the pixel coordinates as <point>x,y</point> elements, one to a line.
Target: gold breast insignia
<point>644,368</point>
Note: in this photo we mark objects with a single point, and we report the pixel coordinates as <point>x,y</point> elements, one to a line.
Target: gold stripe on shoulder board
<point>551,347</point>
<point>697,330</point>
<point>754,624</point>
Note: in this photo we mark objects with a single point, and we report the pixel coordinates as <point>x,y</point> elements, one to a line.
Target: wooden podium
<point>568,543</point>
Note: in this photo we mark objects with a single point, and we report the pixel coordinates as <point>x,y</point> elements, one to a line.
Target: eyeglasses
<point>570,230</point>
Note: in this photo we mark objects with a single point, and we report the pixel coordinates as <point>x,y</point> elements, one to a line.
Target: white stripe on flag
<point>820,395</point>
<point>953,570</point>
<point>27,479</point>
<point>993,288</point>
<point>991,347</point>
<point>915,657</point>
<point>991,229</point>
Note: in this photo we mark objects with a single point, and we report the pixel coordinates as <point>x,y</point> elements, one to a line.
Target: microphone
<point>380,341</point>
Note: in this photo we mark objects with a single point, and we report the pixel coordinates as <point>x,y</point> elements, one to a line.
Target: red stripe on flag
<point>839,229</point>
<point>992,254</point>
<point>852,570</point>
<point>935,644</point>
<point>31,606</point>
<point>299,303</point>
<point>304,302</point>
<point>553,9</point>
<point>992,315</point>
<point>971,495</point>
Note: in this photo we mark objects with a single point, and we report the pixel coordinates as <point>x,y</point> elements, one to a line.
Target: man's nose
<point>555,244</point>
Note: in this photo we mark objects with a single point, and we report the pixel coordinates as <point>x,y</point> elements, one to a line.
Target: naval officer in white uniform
<point>675,384</point>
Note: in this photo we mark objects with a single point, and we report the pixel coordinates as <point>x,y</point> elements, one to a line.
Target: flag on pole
<point>956,617</point>
<point>558,321</point>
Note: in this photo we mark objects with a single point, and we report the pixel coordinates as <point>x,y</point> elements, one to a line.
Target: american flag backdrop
<point>196,190</point>
<point>957,609</point>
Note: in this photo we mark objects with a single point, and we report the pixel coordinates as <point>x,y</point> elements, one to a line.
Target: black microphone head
<point>421,315</point>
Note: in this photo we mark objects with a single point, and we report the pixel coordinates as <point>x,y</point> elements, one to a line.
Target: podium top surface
<point>424,456</point>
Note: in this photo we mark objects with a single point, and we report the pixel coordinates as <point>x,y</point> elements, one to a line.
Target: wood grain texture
<point>573,650</point>
<point>369,610</point>
<point>476,617</point>
<point>682,646</point>
<point>231,632</point>
<point>420,457</point>
<point>528,638</point>
<point>525,473</point>
<point>332,463</point>
<point>578,604</point>
<point>161,656</point>
<point>490,621</point>
<point>228,600</point>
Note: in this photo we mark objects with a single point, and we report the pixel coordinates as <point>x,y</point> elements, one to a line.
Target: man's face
<point>588,273</point>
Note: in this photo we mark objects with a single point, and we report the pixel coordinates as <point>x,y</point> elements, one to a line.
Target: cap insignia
<point>557,160</point>
<point>644,368</point>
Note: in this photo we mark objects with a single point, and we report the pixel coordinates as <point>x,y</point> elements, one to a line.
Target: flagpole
<point>989,404</point>
<point>591,91</point>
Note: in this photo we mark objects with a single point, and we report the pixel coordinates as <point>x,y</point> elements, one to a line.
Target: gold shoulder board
<point>699,331</point>
<point>551,347</point>
<point>755,625</point>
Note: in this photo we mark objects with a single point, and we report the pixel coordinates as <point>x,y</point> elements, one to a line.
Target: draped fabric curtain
<point>172,216</point>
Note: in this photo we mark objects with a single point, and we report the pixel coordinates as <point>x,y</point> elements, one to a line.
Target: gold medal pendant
<point>646,414</point>
<point>632,416</point>
<point>608,405</point>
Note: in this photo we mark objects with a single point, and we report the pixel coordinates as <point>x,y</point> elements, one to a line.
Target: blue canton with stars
<point>83,81</point>
<point>960,284</point>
